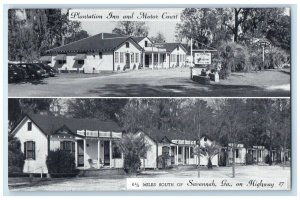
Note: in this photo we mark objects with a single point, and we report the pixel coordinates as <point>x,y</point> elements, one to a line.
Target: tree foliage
<point>16,157</point>
<point>131,28</point>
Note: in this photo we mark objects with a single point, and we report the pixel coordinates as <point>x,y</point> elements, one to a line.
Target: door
<point>127,60</point>
<point>80,153</point>
<point>106,153</point>
<point>177,61</point>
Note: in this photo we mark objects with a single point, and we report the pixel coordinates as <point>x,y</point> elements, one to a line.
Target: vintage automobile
<point>33,71</point>
<point>16,74</point>
<point>50,70</point>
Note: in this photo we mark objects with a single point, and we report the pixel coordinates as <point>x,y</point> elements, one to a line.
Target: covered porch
<point>155,58</point>
<point>98,150</point>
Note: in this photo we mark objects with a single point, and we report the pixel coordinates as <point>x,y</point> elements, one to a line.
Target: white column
<point>158,60</point>
<point>177,155</point>
<point>84,153</point>
<point>183,153</point>
<point>98,161</point>
<point>152,60</point>
<point>143,60</point>
<point>110,154</point>
<point>76,154</point>
<point>189,155</point>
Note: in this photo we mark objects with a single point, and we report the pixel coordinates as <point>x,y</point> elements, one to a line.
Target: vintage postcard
<point>163,52</point>
<point>149,99</point>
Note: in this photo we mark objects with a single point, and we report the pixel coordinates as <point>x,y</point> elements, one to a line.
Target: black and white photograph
<point>97,144</point>
<point>168,52</point>
<point>147,99</point>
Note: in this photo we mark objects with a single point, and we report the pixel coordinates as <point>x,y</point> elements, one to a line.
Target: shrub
<point>61,164</point>
<point>163,160</point>
<point>233,57</point>
<point>134,66</point>
<point>134,148</point>
<point>268,159</point>
<point>16,157</point>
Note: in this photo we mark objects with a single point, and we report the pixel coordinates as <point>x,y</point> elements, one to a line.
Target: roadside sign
<point>202,58</point>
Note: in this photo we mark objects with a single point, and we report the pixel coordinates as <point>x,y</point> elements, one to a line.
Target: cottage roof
<point>159,135</point>
<point>101,42</point>
<point>171,46</point>
<point>49,124</point>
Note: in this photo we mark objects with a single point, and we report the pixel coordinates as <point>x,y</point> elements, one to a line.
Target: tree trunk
<point>236,25</point>
<point>233,161</point>
<point>199,166</point>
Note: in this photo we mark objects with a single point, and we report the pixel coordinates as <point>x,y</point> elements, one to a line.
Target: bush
<point>61,164</point>
<point>16,158</point>
<point>233,57</point>
<point>268,159</point>
<point>132,163</point>
<point>163,161</point>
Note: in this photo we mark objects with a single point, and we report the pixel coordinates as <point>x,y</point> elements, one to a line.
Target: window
<point>68,146</point>
<point>116,57</point>
<point>127,44</point>
<point>116,151</point>
<point>61,62</point>
<point>237,153</point>
<point>121,57</point>
<point>100,55</point>
<point>192,152</point>
<point>29,150</point>
<point>29,126</point>
<point>146,43</point>
<point>137,57</point>
<point>80,62</point>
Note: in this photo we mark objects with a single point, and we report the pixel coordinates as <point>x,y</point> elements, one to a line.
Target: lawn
<point>155,83</point>
<point>119,182</point>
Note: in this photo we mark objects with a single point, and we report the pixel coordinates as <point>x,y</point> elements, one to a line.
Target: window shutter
<point>33,150</point>
<point>25,150</point>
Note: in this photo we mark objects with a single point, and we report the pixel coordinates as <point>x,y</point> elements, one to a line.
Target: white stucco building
<point>113,52</point>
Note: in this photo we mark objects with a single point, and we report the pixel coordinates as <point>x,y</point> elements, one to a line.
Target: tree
<point>233,124</point>
<point>159,38</point>
<point>210,151</point>
<point>76,36</point>
<point>16,157</point>
<point>134,147</point>
<point>131,28</point>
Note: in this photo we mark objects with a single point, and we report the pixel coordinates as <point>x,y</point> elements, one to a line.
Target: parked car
<point>50,70</point>
<point>16,74</point>
<point>33,70</point>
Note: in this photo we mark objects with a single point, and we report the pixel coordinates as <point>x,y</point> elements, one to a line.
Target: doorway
<point>106,154</point>
<point>80,153</point>
<point>127,61</point>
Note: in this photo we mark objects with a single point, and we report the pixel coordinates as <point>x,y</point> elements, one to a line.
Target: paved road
<point>155,83</point>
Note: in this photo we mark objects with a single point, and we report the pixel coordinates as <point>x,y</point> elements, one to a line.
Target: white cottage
<point>113,52</point>
<point>94,143</point>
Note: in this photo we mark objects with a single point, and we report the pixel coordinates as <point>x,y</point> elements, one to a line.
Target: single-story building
<point>113,52</point>
<point>94,143</point>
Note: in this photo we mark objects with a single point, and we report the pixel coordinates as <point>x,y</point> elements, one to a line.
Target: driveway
<point>119,183</point>
<point>155,83</point>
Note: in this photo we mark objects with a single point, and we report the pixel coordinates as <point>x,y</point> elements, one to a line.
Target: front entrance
<point>177,61</point>
<point>80,153</point>
<point>106,153</point>
<point>127,61</point>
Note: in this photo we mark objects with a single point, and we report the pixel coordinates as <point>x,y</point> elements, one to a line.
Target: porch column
<point>110,153</point>
<point>98,161</point>
<point>158,60</point>
<point>152,60</point>
<point>177,154</point>
<point>143,60</point>
<point>84,152</point>
<point>76,154</point>
<point>189,154</point>
<point>183,154</point>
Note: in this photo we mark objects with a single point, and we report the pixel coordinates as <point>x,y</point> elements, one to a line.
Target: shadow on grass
<point>182,90</point>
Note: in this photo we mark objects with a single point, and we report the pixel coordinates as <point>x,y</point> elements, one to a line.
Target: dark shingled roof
<point>49,124</point>
<point>159,135</point>
<point>93,43</point>
<point>171,46</point>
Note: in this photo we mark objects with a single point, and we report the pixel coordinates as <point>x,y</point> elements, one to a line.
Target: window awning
<point>60,57</point>
<point>46,58</point>
<point>80,57</point>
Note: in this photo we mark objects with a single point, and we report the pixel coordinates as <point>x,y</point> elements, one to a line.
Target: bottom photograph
<point>145,144</point>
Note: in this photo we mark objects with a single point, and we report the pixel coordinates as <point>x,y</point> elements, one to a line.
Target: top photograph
<point>143,52</point>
